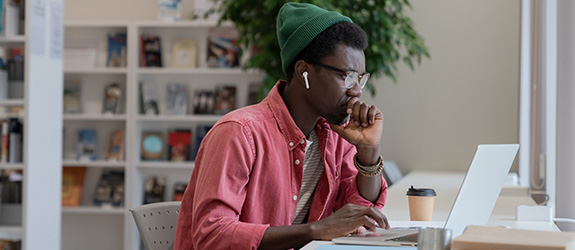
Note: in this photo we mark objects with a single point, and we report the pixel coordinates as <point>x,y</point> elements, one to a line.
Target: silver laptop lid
<point>481,186</point>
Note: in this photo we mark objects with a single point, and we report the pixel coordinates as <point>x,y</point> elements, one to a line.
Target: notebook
<point>474,203</point>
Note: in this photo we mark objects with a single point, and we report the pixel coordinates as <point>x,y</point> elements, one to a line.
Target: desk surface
<point>446,185</point>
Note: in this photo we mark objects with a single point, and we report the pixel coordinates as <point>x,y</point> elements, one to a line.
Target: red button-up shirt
<point>246,178</point>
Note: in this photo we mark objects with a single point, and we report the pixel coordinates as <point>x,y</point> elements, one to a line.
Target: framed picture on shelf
<point>150,51</point>
<point>72,96</point>
<point>117,51</point>
<point>180,145</point>
<point>154,189</point>
<point>149,99</point>
<point>72,185</point>
<point>115,150</point>
<point>177,99</point>
<point>152,147</point>
<point>203,101</point>
<point>110,189</point>
<point>184,53</point>
<point>225,99</point>
<point>86,146</point>
<point>222,52</point>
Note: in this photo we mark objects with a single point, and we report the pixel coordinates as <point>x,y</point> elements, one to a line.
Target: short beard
<point>338,121</point>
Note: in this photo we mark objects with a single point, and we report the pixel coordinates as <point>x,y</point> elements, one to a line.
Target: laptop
<point>474,203</point>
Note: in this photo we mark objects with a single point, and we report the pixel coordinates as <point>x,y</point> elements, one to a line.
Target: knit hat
<point>298,24</point>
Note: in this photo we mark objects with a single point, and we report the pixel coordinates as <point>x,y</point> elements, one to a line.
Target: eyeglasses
<point>351,77</point>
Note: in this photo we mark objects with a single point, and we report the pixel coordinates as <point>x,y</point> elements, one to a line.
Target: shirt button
<point>296,162</point>
<point>302,141</point>
<point>291,144</point>
<point>295,197</point>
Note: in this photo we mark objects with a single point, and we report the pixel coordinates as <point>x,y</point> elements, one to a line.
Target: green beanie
<point>298,24</point>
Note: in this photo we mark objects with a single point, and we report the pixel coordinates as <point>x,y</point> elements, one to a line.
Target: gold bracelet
<point>360,168</point>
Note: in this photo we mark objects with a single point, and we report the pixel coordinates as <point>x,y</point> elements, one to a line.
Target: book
<point>115,151</point>
<point>201,132</point>
<point>225,99</point>
<point>79,54</point>
<point>15,131</point>
<point>154,189</point>
<point>222,52</point>
<point>86,145</point>
<point>11,182</point>
<point>72,96</point>
<point>110,189</point>
<point>72,185</point>
<point>117,50</point>
<point>180,145</point>
<point>150,51</point>
<point>176,99</point>
<point>10,244</point>
<point>152,146</point>
<point>203,101</point>
<point>149,99</point>
<point>179,190</point>
<point>5,136</point>
<point>184,53</point>
<point>112,94</point>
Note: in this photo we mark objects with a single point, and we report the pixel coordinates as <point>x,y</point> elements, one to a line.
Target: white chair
<point>157,224</point>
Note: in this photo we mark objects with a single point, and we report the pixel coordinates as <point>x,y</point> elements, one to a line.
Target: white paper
<point>38,27</point>
<point>56,26</point>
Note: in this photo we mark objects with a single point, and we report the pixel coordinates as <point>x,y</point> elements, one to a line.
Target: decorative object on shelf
<point>150,51</point>
<point>177,99</point>
<point>117,51</point>
<point>11,182</point>
<point>180,145</point>
<point>15,65</point>
<point>169,10</point>
<point>222,49</point>
<point>225,99</point>
<point>154,189</point>
<point>5,136</point>
<point>115,150</point>
<point>112,95</point>
<point>110,189</point>
<point>149,99</point>
<point>184,53</point>
<point>152,147</point>
<point>72,96</point>
<point>72,185</point>
<point>86,147</point>
<point>201,132</point>
<point>3,81</point>
<point>10,19</point>
<point>203,101</point>
<point>179,190</point>
<point>389,30</point>
<point>10,244</point>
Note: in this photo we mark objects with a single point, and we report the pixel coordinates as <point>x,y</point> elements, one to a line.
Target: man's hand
<point>347,220</point>
<point>365,125</point>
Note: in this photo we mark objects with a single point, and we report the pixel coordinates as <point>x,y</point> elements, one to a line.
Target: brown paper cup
<point>421,203</point>
<point>421,207</point>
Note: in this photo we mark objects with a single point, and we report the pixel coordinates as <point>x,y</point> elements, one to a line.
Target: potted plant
<point>390,33</point>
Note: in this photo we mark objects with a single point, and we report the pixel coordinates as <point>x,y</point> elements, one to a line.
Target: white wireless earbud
<point>305,78</point>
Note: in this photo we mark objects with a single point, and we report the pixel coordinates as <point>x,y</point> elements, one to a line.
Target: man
<point>304,163</point>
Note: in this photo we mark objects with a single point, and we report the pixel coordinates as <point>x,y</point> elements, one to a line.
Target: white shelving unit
<point>88,225</point>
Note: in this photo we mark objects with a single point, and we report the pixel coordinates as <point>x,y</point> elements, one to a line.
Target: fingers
<point>378,216</point>
<point>361,114</point>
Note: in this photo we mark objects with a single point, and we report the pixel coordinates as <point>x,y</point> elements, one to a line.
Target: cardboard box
<point>482,237</point>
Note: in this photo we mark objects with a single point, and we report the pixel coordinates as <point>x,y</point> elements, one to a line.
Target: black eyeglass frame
<point>360,79</point>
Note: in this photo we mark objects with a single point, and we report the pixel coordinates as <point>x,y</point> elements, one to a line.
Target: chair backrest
<point>157,224</point>
<point>391,172</point>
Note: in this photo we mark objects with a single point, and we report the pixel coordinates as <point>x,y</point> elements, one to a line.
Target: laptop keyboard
<point>406,238</point>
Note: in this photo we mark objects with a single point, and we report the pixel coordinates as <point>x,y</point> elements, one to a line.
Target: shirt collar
<point>286,124</point>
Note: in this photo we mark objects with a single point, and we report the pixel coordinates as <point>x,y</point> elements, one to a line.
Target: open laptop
<point>474,203</point>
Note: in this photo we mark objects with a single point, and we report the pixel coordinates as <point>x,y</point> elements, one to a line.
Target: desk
<point>446,185</point>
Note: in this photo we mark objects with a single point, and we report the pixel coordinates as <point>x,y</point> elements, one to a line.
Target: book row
<point>220,100</point>
<point>109,190</point>
<point>176,146</point>
<point>87,145</point>
<point>111,101</point>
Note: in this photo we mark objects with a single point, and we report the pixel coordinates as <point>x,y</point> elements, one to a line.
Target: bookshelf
<point>85,225</point>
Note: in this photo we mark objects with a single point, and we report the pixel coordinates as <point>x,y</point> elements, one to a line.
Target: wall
<point>466,94</point>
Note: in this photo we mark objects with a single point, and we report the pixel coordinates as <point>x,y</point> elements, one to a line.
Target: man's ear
<point>300,67</point>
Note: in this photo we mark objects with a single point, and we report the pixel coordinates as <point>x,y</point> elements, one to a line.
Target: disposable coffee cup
<point>421,203</point>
